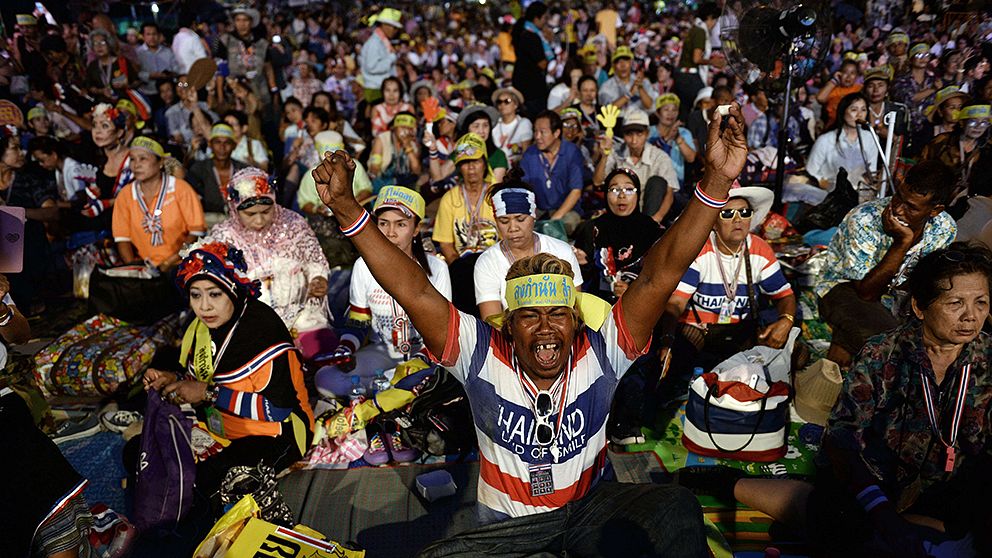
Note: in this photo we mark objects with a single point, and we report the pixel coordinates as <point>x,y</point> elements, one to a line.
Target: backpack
<point>165,469</point>
<point>439,420</point>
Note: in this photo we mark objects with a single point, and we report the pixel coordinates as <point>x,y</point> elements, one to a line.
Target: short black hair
<point>238,115</point>
<point>292,101</point>
<point>708,10</point>
<point>933,179</point>
<point>46,144</point>
<point>554,119</point>
<point>320,113</point>
<point>52,43</point>
<point>150,24</point>
<point>935,272</point>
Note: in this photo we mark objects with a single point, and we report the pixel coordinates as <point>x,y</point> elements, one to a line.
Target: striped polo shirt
<point>703,283</point>
<point>481,358</point>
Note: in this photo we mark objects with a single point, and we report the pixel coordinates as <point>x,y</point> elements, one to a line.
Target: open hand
<point>333,177</point>
<point>608,118</point>
<point>726,147</point>
<point>431,108</point>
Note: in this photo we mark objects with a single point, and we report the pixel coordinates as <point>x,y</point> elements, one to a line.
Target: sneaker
<point>377,454</point>
<point>627,435</point>
<point>76,429</point>
<point>402,453</point>
<point>118,421</point>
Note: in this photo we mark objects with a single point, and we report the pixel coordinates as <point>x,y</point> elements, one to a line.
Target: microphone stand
<point>883,154</point>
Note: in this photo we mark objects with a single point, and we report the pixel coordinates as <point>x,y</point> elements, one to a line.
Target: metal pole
<point>783,132</point>
<point>890,121</point>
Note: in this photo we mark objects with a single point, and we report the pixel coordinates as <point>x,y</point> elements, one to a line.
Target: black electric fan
<point>776,43</point>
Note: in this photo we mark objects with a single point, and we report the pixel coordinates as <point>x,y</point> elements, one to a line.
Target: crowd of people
<point>538,198</point>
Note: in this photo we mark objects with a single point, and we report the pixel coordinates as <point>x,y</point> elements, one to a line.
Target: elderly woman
<point>713,313</point>
<point>238,367</point>
<point>393,340</point>
<point>281,251</point>
<point>516,211</point>
<point>905,458</point>
<point>611,247</point>
<point>514,132</point>
<point>395,158</point>
<point>110,74</point>
<point>156,214</point>
<point>391,105</point>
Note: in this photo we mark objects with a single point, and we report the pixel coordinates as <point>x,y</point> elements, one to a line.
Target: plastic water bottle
<point>357,392</point>
<point>379,383</point>
<point>697,371</point>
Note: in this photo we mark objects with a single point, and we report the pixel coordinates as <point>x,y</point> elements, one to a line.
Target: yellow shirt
<point>606,22</point>
<point>506,52</point>
<point>455,223</point>
<point>182,215</point>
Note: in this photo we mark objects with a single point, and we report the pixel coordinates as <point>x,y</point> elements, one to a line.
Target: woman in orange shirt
<point>156,214</point>
<point>840,85</point>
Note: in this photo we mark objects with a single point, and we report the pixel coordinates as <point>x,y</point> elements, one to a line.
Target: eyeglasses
<point>569,125</point>
<point>99,43</point>
<point>955,256</point>
<point>921,55</point>
<point>728,214</point>
<point>978,124</point>
<point>622,191</point>
<point>505,101</point>
<point>545,433</point>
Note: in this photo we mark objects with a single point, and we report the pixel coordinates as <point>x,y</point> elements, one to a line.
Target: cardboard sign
<point>11,239</point>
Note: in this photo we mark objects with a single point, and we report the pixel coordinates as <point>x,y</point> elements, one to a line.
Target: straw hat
<point>248,11</point>
<point>508,91</point>
<point>817,388</point>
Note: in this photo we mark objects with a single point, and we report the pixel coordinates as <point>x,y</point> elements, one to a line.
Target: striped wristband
<point>709,201</point>
<point>358,226</point>
<point>871,497</point>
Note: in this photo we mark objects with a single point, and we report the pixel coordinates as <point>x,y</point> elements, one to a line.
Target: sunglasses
<point>622,191</point>
<point>958,257</point>
<point>728,214</point>
<point>978,124</point>
<point>569,125</point>
<point>545,433</point>
<point>505,101</point>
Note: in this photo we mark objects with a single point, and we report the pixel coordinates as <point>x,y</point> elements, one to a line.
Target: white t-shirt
<point>368,298</point>
<point>492,265</point>
<point>509,137</point>
<point>258,151</point>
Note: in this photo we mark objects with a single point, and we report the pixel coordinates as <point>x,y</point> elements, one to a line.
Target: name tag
<point>726,311</point>
<point>541,481</point>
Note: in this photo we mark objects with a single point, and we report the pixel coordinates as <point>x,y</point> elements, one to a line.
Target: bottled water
<point>357,392</point>
<point>379,383</point>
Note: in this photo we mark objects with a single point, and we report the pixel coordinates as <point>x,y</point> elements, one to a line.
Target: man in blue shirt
<point>553,168</point>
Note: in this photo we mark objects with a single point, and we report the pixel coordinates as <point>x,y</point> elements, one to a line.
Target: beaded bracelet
<point>358,226</point>
<point>710,201</point>
<point>871,497</point>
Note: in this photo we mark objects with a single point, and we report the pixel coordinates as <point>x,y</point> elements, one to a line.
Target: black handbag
<point>137,301</point>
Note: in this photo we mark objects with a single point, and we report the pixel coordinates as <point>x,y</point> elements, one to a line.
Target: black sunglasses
<point>544,434</point>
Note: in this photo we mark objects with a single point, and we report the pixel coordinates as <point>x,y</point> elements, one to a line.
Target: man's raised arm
<point>666,262</point>
<point>400,275</point>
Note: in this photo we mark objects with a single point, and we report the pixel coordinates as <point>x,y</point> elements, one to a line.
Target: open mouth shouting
<point>547,355</point>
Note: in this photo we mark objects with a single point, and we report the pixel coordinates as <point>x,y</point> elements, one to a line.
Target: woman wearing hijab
<point>238,366</point>
<point>611,247</point>
<point>281,251</point>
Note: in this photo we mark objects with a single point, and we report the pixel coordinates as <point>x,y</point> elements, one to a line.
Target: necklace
<point>509,254</point>
<point>729,285</point>
<point>877,116</point>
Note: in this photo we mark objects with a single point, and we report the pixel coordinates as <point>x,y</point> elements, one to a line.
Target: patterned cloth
<point>860,244</point>
<point>881,411</point>
<point>903,90</point>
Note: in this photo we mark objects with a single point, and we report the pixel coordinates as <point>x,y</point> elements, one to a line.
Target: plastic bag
<point>227,528</point>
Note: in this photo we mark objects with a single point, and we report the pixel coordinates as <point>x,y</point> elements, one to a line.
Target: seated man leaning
<point>541,384</point>
<point>876,246</point>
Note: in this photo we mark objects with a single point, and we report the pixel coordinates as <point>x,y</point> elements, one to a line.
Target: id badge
<point>214,421</point>
<point>726,311</point>
<point>541,481</point>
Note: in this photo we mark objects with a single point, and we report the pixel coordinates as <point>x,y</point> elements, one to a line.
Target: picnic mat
<point>745,529</point>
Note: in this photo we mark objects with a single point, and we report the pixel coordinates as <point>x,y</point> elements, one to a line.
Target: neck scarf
<point>549,53</point>
<point>151,221</point>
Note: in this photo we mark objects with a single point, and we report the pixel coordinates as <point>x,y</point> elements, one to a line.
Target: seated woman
<point>395,158</point>
<point>844,145</point>
<point>237,350</point>
<point>479,119</point>
<point>282,253</point>
<point>398,212</point>
<point>891,473</point>
<point>611,247</point>
<point>516,211</point>
<point>465,225</point>
<point>962,149</point>
<point>713,313</point>
<point>156,214</point>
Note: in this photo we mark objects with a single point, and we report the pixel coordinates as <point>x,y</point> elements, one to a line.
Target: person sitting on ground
<point>875,247</point>
<point>514,132</point>
<point>209,176</point>
<point>238,366</point>
<point>248,151</point>
<point>156,214</point>
<point>395,157</point>
<point>391,105</point>
<point>963,149</point>
<point>611,247</point>
<point>653,167</point>
<point>479,119</point>
<point>393,338</point>
<point>280,249</point>
<point>899,471</point>
<point>672,138</point>
<point>571,131</point>
<point>568,351</point>
<point>844,146</point>
<point>627,90</point>
<point>714,312</point>
<point>554,166</point>
<point>944,110</point>
<point>842,84</point>
<point>515,209</point>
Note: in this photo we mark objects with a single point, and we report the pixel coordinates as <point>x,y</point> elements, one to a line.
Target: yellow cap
<point>470,147</point>
<point>623,51</point>
<point>667,99</point>
<point>397,197</point>
<point>222,131</point>
<point>974,112</point>
<point>883,72</point>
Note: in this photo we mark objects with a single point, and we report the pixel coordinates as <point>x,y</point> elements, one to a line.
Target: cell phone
<point>11,239</point>
<point>276,39</point>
